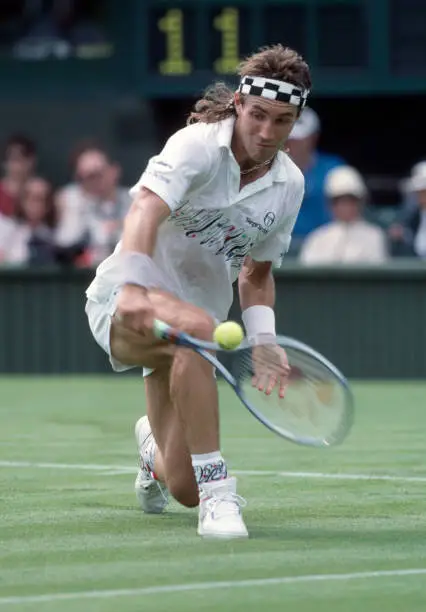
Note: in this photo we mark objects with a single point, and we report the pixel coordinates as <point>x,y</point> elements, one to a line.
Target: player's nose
<point>267,133</point>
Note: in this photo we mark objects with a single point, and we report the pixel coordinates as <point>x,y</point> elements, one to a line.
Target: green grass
<point>65,530</point>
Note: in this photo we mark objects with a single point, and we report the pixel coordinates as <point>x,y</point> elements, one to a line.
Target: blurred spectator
<point>20,158</point>
<point>92,210</point>
<point>348,239</point>
<point>58,29</point>
<point>408,236</point>
<point>8,228</point>
<point>302,147</point>
<point>30,237</point>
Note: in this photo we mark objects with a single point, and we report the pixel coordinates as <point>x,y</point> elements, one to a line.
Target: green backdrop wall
<point>370,322</point>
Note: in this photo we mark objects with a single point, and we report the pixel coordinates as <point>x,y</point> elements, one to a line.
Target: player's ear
<point>238,102</point>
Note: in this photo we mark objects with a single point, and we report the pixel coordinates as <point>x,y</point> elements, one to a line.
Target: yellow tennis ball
<point>228,335</point>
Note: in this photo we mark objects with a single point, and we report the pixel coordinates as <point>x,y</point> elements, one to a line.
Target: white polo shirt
<point>213,225</point>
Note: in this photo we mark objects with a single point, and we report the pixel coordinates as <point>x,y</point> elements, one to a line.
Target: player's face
<point>263,126</point>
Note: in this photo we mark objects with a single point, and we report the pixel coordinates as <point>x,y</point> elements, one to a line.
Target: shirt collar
<point>225,131</point>
<point>278,170</point>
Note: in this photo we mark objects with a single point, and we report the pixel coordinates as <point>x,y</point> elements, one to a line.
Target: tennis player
<point>217,204</point>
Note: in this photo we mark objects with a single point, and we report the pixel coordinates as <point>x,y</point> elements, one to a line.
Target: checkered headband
<point>273,90</point>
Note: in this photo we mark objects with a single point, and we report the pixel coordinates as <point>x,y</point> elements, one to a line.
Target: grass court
<point>336,530</point>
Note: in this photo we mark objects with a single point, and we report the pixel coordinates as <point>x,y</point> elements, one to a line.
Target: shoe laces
<point>229,503</point>
<point>148,484</point>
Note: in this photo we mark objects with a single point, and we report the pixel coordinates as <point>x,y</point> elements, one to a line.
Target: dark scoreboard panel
<point>351,45</point>
<point>184,39</point>
<point>187,43</point>
<point>158,48</point>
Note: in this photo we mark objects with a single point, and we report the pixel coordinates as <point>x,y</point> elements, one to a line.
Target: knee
<point>199,325</point>
<point>186,493</point>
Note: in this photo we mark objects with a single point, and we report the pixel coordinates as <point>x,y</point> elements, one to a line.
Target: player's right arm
<point>141,224</point>
<point>183,165</point>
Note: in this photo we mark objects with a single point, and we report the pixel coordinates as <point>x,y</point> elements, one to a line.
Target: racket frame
<point>205,349</point>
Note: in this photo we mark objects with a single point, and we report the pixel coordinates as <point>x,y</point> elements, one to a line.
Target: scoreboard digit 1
<point>227,22</point>
<point>173,47</point>
<point>172,26</point>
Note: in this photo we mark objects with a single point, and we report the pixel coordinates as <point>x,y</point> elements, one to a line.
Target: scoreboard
<point>175,48</point>
<point>351,45</point>
<point>187,43</point>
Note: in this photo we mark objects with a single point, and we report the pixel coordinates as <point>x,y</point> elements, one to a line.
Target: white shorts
<point>99,315</point>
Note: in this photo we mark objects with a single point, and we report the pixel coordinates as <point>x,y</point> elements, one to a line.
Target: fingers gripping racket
<point>315,409</point>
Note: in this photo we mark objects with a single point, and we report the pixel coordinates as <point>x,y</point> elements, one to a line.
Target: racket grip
<point>161,329</point>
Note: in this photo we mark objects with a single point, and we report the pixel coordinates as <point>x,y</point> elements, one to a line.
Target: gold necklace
<point>266,163</point>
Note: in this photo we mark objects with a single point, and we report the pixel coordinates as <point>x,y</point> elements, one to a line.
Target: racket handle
<point>161,329</point>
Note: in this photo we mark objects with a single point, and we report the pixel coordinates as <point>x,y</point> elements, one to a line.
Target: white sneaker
<point>220,510</point>
<point>151,494</point>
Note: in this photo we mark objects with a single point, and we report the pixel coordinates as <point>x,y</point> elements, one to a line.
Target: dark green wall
<point>370,323</point>
<point>43,326</point>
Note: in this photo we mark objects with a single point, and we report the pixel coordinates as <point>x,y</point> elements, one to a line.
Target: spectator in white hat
<point>409,236</point>
<point>348,238</point>
<point>303,149</point>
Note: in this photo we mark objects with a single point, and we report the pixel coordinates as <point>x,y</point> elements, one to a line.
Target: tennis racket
<point>317,405</point>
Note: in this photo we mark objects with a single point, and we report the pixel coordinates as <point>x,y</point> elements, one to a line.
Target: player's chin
<point>263,154</point>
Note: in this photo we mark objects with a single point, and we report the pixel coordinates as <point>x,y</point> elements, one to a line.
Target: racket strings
<point>314,403</point>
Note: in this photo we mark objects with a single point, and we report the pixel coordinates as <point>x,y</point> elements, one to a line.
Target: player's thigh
<point>133,348</point>
<point>170,438</point>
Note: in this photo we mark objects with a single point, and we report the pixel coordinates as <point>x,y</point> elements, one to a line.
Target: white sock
<point>209,467</point>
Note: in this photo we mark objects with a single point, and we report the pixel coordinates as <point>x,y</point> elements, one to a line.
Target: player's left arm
<point>256,284</point>
<point>256,287</point>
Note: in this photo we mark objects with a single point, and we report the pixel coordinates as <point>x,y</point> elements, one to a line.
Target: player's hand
<point>271,368</point>
<point>134,309</point>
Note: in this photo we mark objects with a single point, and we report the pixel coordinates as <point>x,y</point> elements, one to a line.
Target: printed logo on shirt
<point>159,162</point>
<point>269,219</point>
<point>216,232</point>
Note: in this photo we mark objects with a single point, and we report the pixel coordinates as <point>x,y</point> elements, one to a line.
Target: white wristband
<point>259,322</point>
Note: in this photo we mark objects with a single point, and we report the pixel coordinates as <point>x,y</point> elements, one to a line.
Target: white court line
<point>322,475</point>
<point>207,586</point>
<point>89,467</point>
<point>116,470</point>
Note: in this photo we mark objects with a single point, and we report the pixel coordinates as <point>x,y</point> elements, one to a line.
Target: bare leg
<point>188,425</point>
<point>183,414</point>
<point>192,383</point>
<point>172,462</point>
<point>194,391</point>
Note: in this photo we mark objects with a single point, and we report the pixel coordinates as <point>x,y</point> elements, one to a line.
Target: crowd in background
<point>79,224</point>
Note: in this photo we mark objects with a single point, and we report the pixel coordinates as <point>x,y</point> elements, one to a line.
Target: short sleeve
<point>183,165</point>
<point>277,243</point>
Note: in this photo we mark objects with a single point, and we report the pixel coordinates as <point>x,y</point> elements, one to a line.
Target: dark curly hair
<point>274,62</point>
